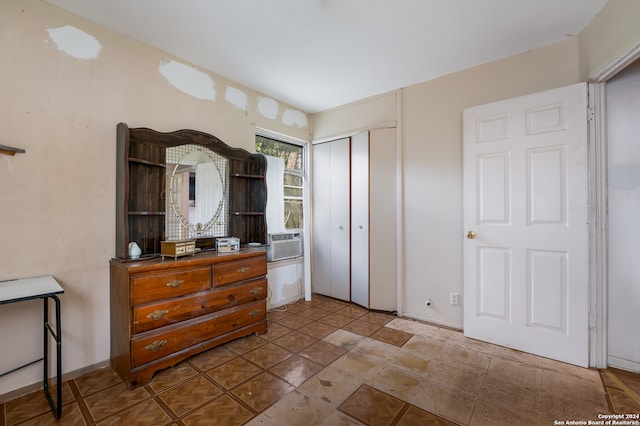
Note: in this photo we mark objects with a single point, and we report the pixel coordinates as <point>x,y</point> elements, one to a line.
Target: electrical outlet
<point>454,299</point>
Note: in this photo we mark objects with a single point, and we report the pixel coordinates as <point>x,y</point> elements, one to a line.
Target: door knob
<point>471,235</point>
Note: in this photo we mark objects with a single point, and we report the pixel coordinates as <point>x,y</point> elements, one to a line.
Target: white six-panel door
<point>525,217</point>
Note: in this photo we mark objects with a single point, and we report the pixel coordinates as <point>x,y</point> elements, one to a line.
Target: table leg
<point>57,335</point>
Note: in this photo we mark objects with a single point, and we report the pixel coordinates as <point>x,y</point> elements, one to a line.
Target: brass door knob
<point>471,235</point>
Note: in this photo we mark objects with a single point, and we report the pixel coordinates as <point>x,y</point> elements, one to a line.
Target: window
<point>293,156</point>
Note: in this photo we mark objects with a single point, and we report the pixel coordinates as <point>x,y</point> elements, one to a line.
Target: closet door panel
<point>383,220</point>
<point>321,187</point>
<point>340,220</point>
<point>360,219</point>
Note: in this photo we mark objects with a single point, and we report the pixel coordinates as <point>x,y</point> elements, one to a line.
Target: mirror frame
<point>196,228</point>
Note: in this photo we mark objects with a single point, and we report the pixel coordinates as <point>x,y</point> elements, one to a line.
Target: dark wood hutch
<point>166,310</point>
<point>141,188</point>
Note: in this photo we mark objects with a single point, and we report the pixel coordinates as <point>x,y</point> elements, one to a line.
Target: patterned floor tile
<point>223,411</point>
<point>170,377</point>
<point>295,341</point>
<point>293,321</point>
<point>97,381</point>
<point>323,353</point>
<point>337,320</point>
<point>333,306</point>
<point>317,329</point>
<point>262,391</point>
<point>314,313</point>
<point>114,399</point>
<point>331,385</point>
<point>190,395</point>
<point>437,376</point>
<point>296,307</point>
<point>72,417</point>
<point>389,335</point>
<point>362,327</point>
<point>146,413</point>
<point>297,409</point>
<point>212,358</point>
<point>234,372</point>
<point>352,311</point>
<point>414,416</point>
<point>268,355</point>
<point>296,370</point>
<point>381,318</point>
<point>242,346</point>
<point>275,331</point>
<point>34,404</point>
<point>372,407</point>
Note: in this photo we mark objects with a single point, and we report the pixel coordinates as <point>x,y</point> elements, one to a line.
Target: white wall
<point>623,141</point>
<point>372,113</point>
<point>430,126</point>
<point>430,123</point>
<point>57,200</point>
<point>286,282</point>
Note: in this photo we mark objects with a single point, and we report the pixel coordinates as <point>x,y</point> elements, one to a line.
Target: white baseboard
<point>623,364</point>
<point>433,321</point>
<point>66,376</point>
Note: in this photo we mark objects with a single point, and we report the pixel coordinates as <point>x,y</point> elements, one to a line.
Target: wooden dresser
<point>164,311</point>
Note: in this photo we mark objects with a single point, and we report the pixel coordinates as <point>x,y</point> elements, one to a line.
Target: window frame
<point>302,173</point>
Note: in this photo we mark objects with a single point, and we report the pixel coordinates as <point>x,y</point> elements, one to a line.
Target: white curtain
<point>275,195</point>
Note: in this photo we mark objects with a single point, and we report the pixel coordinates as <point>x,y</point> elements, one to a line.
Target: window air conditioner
<point>285,245</point>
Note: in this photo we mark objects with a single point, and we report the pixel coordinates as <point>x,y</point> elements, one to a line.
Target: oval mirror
<point>196,192</point>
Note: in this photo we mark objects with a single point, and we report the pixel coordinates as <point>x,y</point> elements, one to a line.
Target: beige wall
<point>373,113</point>
<point>57,201</point>
<point>431,143</point>
<point>612,34</point>
<point>432,166</point>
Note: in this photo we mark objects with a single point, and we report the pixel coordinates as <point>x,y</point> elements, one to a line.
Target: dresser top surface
<point>204,258</point>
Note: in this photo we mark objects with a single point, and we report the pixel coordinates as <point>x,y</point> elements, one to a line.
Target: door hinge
<point>590,114</point>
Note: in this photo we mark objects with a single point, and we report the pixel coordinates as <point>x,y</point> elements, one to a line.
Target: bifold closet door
<point>373,219</point>
<point>331,219</point>
<point>360,219</point>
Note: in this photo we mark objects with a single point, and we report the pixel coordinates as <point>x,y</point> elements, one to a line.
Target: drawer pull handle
<point>243,269</point>
<point>157,314</point>
<point>175,283</point>
<point>156,345</point>
<point>256,290</point>
<point>255,313</point>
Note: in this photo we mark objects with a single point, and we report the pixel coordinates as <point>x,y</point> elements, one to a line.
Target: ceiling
<point>319,54</point>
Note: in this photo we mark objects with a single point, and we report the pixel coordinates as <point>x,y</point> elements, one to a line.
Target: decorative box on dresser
<point>164,311</point>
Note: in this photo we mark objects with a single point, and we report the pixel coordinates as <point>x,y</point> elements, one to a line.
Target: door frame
<point>598,218</point>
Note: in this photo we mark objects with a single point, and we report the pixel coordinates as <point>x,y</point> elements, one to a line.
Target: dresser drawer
<point>240,270</point>
<point>162,285</point>
<point>156,344</point>
<point>153,315</point>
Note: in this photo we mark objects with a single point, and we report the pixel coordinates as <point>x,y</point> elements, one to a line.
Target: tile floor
<point>327,362</point>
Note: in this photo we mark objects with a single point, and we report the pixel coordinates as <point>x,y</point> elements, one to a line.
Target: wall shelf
<point>8,150</point>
